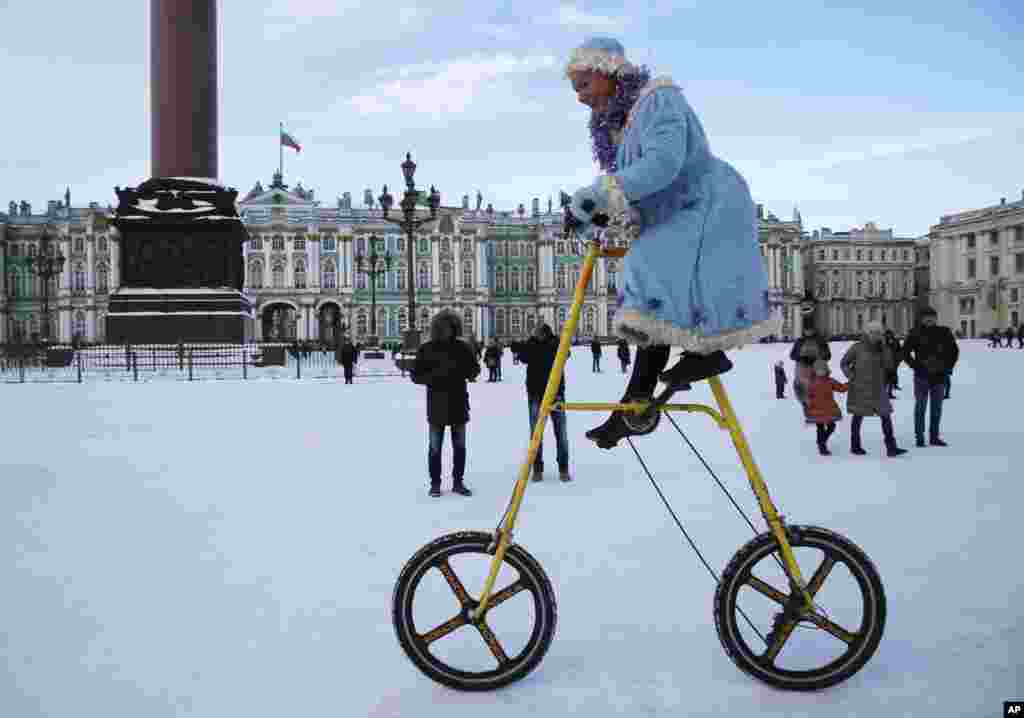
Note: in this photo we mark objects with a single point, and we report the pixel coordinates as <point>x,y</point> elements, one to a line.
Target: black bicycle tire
<point>538,583</point>
<point>836,671</point>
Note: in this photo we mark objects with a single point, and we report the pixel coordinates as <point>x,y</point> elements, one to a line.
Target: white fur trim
<point>629,322</point>
<point>598,60</point>
<point>612,186</point>
<point>656,84</point>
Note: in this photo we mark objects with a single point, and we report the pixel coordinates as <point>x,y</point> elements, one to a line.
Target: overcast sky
<point>894,112</point>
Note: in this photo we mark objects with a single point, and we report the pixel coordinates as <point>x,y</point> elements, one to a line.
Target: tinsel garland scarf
<point>604,126</point>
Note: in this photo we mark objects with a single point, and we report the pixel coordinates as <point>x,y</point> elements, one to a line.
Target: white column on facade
<point>65,275</point>
<point>90,261</point>
<point>114,276</point>
<point>314,262</point>
<point>90,324</point>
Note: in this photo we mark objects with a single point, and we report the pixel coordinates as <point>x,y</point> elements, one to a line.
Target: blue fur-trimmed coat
<point>694,275</point>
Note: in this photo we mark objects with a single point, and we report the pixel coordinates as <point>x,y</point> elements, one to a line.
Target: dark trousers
<point>649,363</point>
<point>492,373</point>
<point>925,392</point>
<point>597,364</point>
<point>436,442</point>
<point>825,431</point>
<point>890,439</point>
<point>780,390</point>
<point>561,437</point>
<point>348,372</point>
<point>625,364</point>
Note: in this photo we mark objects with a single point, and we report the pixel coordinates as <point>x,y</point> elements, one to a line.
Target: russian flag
<point>289,141</point>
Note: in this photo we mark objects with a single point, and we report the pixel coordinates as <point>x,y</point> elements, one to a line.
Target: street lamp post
<point>46,267</point>
<point>410,224</point>
<point>372,270</point>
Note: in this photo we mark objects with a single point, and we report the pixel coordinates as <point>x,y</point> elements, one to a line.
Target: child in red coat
<point>821,404</point>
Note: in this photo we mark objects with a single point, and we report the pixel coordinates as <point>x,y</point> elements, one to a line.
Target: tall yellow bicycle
<point>842,646</point>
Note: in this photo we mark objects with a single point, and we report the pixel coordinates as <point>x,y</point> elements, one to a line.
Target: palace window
<point>531,283</point>
<point>972,268</point>
<point>79,244</point>
<point>499,280</point>
<point>821,255</point>
<point>400,275</point>
<point>423,277</point>
<point>446,245</point>
<point>256,274</point>
<point>78,278</point>
<point>993,266</point>
<point>277,243</point>
<point>1018,263</point>
<point>516,323</point>
<point>446,275</point>
<point>515,249</point>
<point>860,255</point>
<point>514,280</point>
<point>300,243</point>
<point>328,244</point>
<point>589,321</point>
<point>467,275</point>
<point>256,244</point>
<point>360,280</point>
<point>330,280</point>
<point>613,276</point>
<point>970,241</point>
<point>101,280</point>
<point>79,328</point>
<point>561,277</point>
<point>101,244</point>
<point>467,322</point>
<point>835,255</point>
<point>560,247</point>
<point>993,238</point>
<point>300,275</point>
<point>424,245</point>
<point>499,322</point>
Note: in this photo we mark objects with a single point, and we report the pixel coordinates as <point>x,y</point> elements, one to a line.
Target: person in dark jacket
<point>897,352</point>
<point>780,380</point>
<point>931,351</point>
<point>867,364</point>
<point>623,352</point>
<point>539,356</point>
<point>595,350</point>
<point>807,350</point>
<point>347,357</point>
<point>492,360</point>
<point>1020,336</point>
<point>444,365</point>
<point>1008,335</point>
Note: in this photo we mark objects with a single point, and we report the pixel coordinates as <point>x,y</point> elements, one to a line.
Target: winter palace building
<point>502,271</point>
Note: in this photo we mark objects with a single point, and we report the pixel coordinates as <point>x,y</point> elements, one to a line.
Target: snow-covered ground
<point>230,548</point>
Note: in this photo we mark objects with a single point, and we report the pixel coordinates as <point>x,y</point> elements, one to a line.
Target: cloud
<point>441,88</point>
<point>571,17</point>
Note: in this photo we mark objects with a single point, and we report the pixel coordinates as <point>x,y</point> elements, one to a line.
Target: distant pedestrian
<point>444,365</point>
<point>897,353</point>
<point>866,364</point>
<point>807,350</point>
<point>1020,336</point>
<point>539,356</point>
<point>595,350</point>
<point>780,380</point>
<point>823,407</point>
<point>1008,336</point>
<point>347,357</point>
<point>623,353</point>
<point>932,353</point>
<point>492,360</point>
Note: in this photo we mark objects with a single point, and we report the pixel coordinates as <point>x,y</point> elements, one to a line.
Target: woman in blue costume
<point>694,276</point>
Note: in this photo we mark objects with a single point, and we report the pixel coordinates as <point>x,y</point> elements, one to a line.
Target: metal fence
<point>181,362</point>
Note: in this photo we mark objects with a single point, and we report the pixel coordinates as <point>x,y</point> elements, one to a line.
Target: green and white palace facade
<point>502,271</point>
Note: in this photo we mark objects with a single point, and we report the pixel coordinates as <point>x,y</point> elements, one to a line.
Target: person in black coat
<point>539,356</point>
<point>595,349</point>
<point>1020,336</point>
<point>931,351</point>
<point>780,380</point>
<point>444,365</point>
<point>897,353</point>
<point>623,352</point>
<point>492,360</point>
<point>347,357</point>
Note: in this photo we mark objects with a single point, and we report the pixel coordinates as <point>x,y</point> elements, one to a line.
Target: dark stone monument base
<point>154,316</point>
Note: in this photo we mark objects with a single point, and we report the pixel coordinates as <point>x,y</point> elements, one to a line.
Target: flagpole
<point>280,147</point>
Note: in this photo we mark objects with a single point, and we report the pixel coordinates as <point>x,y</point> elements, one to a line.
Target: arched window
<point>531,280</point>
<point>446,275</point>
<point>330,280</point>
<point>499,322</point>
<point>589,320</point>
<point>78,329</point>
<point>514,280</point>
<point>78,278</point>
<point>517,323</point>
<point>300,274</point>
<point>467,322</point>
<point>423,277</point>
<point>277,275</point>
<point>499,279</point>
<point>361,323</point>
<point>561,277</point>
<point>467,275</point>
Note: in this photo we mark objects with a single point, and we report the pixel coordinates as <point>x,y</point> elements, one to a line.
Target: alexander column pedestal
<point>180,234</point>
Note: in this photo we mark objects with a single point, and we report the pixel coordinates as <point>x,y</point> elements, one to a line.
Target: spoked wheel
<point>643,423</point>
<point>792,648</point>
<point>441,585</point>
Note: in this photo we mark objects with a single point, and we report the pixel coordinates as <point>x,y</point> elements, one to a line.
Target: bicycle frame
<point>725,417</point>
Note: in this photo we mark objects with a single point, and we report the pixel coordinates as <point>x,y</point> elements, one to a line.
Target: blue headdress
<point>607,56</point>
